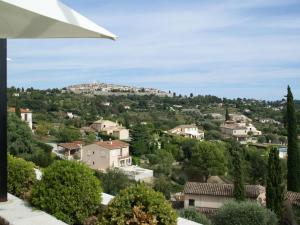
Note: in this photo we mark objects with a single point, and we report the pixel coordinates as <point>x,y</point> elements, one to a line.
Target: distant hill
<point>114,89</point>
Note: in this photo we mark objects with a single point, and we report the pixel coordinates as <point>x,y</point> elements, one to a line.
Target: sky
<point>227,48</point>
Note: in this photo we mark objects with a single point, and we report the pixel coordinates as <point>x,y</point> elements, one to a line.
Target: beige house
<point>240,131</point>
<point>190,131</point>
<point>106,154</point>
<point>208,197</point>
<point>111,128</point>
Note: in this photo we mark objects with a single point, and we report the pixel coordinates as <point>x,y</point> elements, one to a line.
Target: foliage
<point>43,128</point>
<point>161,162</point>
<point>68,190</point>
<point>256,165</point>
<point>239,187</point>
<point>151,204</point>
<point>275,185</point>
<point>19,136</point>
<point>244,213</point>
<point>68,134</point>
<point>90,138</point>
<point>293,175</point>
<point>140,138</point>
<point>114,180</point>
<point>163,184</point>
<point>208,159</point>
<point>21,176</point>
<point>193,215</point>
<point>227,117</point>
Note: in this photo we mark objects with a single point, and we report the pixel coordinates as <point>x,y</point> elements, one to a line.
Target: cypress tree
<point>17,109</point>
<point>275,185</point>
<point>293,161</point>
<point>227,117</point>
<point>239,188</point>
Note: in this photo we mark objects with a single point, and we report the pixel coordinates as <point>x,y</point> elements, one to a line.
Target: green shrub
<point>69,191</point>
<point>194,215</point>
<point>141,200</point>
<point>244,213</point>
<point>21,176</point>
<point>114,180</point>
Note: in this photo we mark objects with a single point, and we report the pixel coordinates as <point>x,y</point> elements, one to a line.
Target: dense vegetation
<point>21,176</point>
<point>139,205</point>
<point>69,191</point>
<point>243,213</point>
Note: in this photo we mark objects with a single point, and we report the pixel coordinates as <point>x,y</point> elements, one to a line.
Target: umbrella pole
<point>3,120</point>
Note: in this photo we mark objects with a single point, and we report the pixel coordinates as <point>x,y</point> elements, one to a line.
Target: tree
<point>43,128</point>
<point>239,188</point>
<point>90,138</point>
<point>293,174</point>
<point>162,162</point>
<point>244,213</point>
<point>17,109</point>
<point>114,180</point>
<point>227,117</point>
<point>68,134</point>
<point>19,136</point>
<point>275,185</point>
<point>122,209</point>
<point>140,138</point>
<point>68,190</point>
<point>163,184</point>
<point>21,176</point>
<point>193,215</point>
<point>207,160</point>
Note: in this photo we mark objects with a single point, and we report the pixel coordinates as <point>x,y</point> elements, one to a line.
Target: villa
<point>103,155</point>
<point>242,132</point>
<point>190,131</point>
<point>111,128</point>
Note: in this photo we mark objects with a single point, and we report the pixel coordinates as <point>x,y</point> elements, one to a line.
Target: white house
<point>190,131</point>
<point>26,115</point>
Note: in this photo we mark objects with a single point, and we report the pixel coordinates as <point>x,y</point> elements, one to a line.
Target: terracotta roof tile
<point>114,144</point>
<point>293,197</point>
<point>252,191</point>
<point>70,146</point>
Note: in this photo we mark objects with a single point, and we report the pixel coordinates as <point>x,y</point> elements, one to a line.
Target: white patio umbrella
<point>24,19</point>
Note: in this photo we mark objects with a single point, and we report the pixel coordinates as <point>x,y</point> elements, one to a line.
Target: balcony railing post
<point>3,120</point>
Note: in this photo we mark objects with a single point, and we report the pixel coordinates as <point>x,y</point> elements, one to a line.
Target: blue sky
<point>229,48</point>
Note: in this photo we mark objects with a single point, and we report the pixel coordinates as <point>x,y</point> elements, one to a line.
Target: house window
<point>191,202</point>
<point>93,153</point>
<point>93,163</point>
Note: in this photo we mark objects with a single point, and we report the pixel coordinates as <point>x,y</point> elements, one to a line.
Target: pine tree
<point>227,117</point>
<point>275,185</point>
<point>239,188</point>
<point>293,161</point>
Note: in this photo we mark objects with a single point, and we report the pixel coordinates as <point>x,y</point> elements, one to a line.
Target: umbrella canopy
<point>45,19</point>
<point>35,19</point>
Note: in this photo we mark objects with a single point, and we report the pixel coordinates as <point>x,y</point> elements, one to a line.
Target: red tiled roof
<point>115,144</point>
<point>293,197</point>
<point>70,146</point>
<point>13,110</point>
<point>195,188</point>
